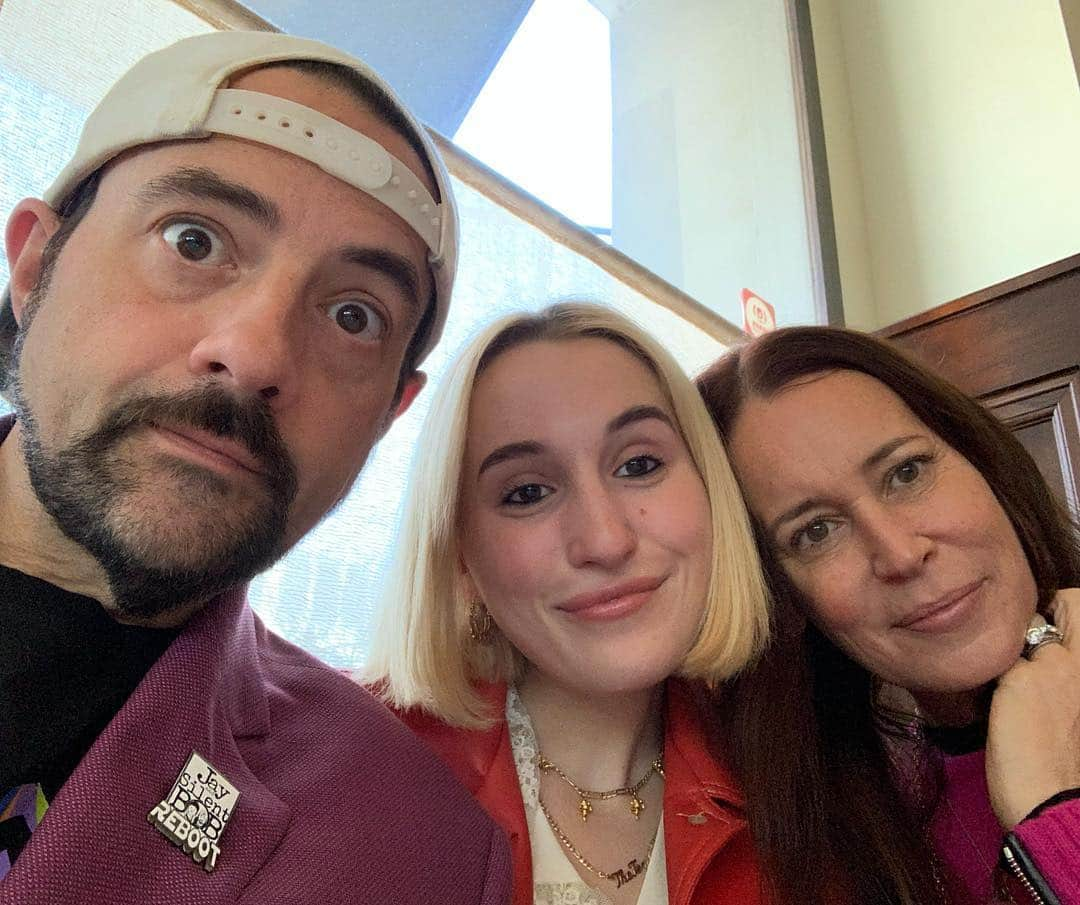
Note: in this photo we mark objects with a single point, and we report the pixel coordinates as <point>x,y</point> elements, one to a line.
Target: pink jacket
<point>339,803</point>
<point>968,839</point>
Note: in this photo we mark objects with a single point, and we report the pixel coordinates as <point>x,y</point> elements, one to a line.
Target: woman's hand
<point>1033,744</point>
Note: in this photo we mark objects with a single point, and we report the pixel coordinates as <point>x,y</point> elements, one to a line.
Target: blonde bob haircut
<point>423,656</point>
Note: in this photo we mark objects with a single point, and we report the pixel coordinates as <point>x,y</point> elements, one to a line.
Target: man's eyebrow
<point>638,413</point>
<point>392,265</point>
<point>875,458</point>
<point>509,451</point>
<point>200,183</point>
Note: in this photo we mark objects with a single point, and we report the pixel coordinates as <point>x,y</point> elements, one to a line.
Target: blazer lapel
<point>96,844</point>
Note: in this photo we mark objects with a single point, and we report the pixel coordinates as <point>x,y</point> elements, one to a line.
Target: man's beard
<point>101,497</point>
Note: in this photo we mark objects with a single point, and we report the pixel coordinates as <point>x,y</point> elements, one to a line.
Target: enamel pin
<point>196,811</point>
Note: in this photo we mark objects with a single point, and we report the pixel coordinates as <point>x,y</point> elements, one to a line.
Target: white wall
<point>963,119</point>
<point>707,179</point>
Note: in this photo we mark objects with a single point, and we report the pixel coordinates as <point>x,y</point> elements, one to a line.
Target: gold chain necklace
<point>619,877</point>
<point>588,796</point>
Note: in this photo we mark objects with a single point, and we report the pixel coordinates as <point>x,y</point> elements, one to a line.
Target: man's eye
<point>638,467</point>
<point>527,494</point>
<point>358,318</point>
<point>195,242</point>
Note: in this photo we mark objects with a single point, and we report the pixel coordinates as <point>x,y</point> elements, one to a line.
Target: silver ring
<point>1036,637</point>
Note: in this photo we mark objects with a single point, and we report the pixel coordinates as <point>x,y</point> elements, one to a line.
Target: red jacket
<point>710,855</point>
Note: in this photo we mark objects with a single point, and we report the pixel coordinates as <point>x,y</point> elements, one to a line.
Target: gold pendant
<point>585,809</point>
<point>636,806</point>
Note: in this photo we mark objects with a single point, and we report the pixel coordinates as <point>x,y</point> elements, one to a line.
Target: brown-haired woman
<point>893,734</point>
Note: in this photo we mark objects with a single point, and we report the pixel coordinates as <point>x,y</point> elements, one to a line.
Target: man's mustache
<point>211,408</point>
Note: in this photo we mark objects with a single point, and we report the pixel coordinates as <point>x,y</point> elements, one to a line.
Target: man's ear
<point>413,385</point>
<point>31,224</point>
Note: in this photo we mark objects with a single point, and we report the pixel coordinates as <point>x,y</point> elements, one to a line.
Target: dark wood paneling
<point>1019,330</point>
<point>1044,415</point>
<point>1016,346</point>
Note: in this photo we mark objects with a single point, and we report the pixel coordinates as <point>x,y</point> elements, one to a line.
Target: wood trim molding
<point>1003,336</point>
<point>982,297</point>
<point>1053,398</point>
<point>226,15</point>
<point>560,229</point>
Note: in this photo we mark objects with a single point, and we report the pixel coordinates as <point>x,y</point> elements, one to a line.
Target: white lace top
<point>555,881</point>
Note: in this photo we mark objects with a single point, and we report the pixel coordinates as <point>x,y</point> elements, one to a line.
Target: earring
<point>481,625</point>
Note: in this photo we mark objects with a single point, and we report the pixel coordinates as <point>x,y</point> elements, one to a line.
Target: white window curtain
<point>57,57</point>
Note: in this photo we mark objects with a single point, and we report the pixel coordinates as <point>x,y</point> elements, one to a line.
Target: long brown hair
<point>837,787</point>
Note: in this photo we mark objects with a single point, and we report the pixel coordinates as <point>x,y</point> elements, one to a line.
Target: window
<point>323,593</point>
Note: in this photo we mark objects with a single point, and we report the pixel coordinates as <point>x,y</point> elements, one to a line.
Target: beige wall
<point>953,135</point>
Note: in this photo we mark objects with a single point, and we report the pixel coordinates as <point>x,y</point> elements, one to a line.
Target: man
<point>214,313</point>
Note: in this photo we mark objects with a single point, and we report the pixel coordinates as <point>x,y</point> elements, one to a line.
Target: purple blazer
<point>338,801</point>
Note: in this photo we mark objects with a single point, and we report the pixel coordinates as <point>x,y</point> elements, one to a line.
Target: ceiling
<point>436,53</point>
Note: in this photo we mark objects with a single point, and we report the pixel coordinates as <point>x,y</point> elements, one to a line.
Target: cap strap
<point>342,152</point>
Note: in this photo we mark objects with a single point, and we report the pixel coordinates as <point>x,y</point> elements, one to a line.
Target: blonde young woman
<point>575,564</point>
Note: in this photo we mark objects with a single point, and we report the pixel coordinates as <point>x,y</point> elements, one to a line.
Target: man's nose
<point>250,340</point>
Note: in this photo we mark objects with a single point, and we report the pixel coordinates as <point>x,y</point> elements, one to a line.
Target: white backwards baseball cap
<point>174,94</point>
